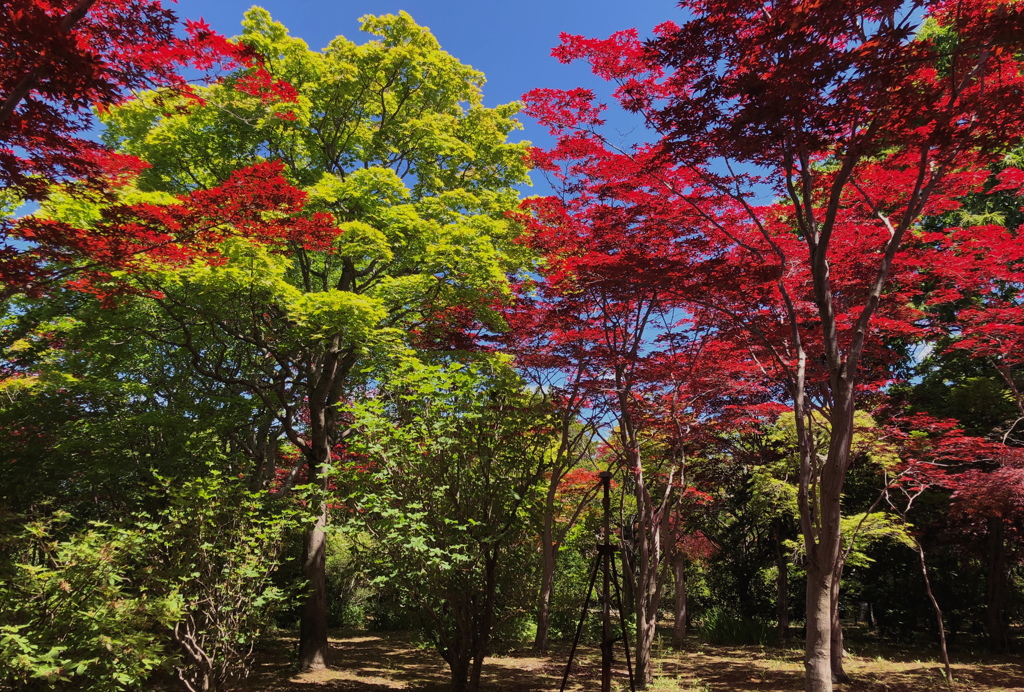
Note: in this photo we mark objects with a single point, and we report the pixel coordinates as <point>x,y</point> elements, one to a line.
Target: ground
<point>364,662</point>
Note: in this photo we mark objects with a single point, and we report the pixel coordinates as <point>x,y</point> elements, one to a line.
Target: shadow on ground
<point>362,662</point>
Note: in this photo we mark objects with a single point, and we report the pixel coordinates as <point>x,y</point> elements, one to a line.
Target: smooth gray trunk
<point>679,609</point>
<point>313,644</point>
<point>781,586</point>
<point>548,556</point>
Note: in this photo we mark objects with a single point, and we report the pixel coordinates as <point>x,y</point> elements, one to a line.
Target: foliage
<point>414,170</point>
<point>347,582</point>
<point>720,626</point>
<point>279,295</point>
<point>408,178</point>
<point>92,408</point>
<point>75,613</point>
<point>447,460</point>
<point>860,128</point>
<point>574,562</point>
<point>61,59</point>
<point>218,545</point>
<point>101,608</point>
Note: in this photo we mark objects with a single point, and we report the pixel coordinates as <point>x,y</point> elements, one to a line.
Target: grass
<point>364,662</point>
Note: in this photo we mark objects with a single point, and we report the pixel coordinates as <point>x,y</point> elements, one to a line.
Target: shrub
<point>720,626</point>
<point>347,586</point>
<point>218,545</point>
<point>98,609</point>
<point>71,614</point>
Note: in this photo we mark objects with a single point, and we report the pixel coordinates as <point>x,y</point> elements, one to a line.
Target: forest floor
<point>376,662</point>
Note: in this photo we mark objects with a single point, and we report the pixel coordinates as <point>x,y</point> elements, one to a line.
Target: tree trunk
<point>679,609</point>
<point>455,646</point>
<point>938,615</point>
<point>460,665</point>
<point>547,581</point>
<point>628,578</point>
<point>313,627</point>
<point>648,589</point>
<point>818,645</point>
<point>781,586</point>
<point>313,645</point>
<point>820,502</point>
<point>652,528</point>
<point>645,627</point>
<point>824,570</point>
<point>823,574</point>
<point>549,552</point>
<point>323,428</point>
<point>482,631</point>
<point>995,610</point>
<point>837,653</point>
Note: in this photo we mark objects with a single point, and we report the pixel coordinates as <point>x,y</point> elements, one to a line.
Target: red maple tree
<point>856,123</point>
<point>255,203</point>
<point>607,306</point>
<point>59,60</point>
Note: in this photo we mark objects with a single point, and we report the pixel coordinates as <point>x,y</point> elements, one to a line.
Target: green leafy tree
<point>219,545</point>
<point>390,137</point>
<point>449,460</point>
<point>91,408</point>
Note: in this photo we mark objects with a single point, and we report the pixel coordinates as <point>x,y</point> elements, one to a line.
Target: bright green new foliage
<point>71,617</point>
<point>444,471</point>
<point>391,138</point>
<point>217,545</point>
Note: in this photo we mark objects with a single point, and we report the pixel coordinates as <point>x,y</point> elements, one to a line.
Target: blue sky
<point>510,42</point>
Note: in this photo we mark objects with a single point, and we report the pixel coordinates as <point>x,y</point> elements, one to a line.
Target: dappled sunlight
<point>393,661</point>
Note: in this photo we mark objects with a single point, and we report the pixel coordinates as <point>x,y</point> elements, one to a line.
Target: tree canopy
<point>285,339</point>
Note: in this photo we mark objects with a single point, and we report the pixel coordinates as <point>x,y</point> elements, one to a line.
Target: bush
<point>572,576</point>
<point>71,614</point>
<point>218,546</point>
<point>100,608</point>
<point>348,592</point>
<point>720,626</point>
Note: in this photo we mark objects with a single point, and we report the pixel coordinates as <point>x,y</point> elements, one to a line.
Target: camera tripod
<point>604,562</point>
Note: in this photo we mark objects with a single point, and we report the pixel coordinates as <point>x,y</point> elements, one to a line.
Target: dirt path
<point>364,662</point>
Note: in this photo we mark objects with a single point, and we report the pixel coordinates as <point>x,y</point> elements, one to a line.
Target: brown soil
<point>362,662</point>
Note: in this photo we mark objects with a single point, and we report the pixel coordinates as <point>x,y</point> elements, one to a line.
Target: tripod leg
<point>622,624</point>
<point>583,617</point>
